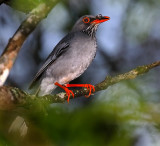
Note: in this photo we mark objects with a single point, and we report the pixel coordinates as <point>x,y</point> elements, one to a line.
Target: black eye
<point>86,20</point>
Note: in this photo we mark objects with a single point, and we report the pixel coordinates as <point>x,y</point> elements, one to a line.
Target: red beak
<point>100,20</point>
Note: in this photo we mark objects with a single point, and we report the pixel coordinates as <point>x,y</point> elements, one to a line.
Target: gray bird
<point>70,57</point>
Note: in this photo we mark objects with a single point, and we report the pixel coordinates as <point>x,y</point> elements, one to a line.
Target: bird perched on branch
<point>70,57</point>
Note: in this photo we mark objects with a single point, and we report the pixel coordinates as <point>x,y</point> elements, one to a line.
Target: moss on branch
<point>11,97</point>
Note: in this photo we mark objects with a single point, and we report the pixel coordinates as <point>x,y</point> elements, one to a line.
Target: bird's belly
<point>72,64</point>
<point>73,70</point>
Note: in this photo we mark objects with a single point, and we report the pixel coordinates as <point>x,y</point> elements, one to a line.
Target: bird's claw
<point>69,92</point>
<point>90,88</point>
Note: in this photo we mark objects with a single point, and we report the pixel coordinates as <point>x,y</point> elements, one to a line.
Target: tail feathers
<point>36,79</point>
<point>34,87</point>
<point>32,84</point>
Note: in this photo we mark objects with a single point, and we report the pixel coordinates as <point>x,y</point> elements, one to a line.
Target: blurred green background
<point>126,114</point>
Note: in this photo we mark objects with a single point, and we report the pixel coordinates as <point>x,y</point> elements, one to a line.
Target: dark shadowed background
<point>131,38</point>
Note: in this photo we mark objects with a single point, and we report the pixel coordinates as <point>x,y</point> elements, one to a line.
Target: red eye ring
<point>86,20</point>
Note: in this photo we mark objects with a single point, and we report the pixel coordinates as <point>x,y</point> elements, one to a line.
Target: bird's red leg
<point>66,90</point>
<point>88,86</point>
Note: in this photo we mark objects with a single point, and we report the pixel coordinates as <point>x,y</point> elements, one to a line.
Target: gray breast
<point>75,61</point>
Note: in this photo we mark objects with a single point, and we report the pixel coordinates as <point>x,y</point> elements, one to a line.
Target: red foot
<point>88,86</point>
<point>68,92</point>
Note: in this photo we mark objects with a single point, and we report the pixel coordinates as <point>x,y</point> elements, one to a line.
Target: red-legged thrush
<point>70,57</point>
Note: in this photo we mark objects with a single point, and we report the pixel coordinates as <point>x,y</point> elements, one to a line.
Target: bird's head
<point>89,23</point>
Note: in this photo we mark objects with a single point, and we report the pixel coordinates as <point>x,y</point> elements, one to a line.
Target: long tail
<point>37,91</point>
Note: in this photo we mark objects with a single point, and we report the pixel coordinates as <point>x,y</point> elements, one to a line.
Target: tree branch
<point>11,97</point>
<point>10,53</point>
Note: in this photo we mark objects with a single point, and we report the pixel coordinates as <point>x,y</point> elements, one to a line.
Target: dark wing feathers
<point>58,50</point>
